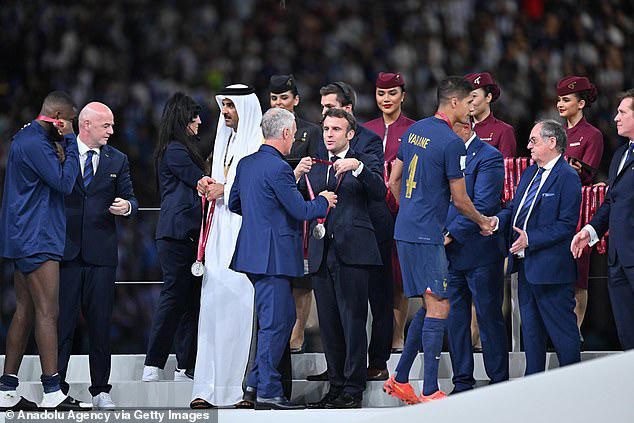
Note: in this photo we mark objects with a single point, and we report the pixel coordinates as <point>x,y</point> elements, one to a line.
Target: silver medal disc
<point>319,231</point>
<point>198,268</point>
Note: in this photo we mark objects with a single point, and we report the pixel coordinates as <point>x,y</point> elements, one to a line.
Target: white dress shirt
<point>83,155</point>
<point>547,168</point>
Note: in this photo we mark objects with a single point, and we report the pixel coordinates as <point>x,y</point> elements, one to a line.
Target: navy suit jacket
<point>617,211</point>
<point>90,227</point>
<point>181,207</point>
<point>484,178</point>
<point>32,216</point>
<point>265,194</point>
<point>550,227</point>
<point>348,226</point>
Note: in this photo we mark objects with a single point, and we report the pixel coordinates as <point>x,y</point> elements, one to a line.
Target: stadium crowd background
<point>132,55</point>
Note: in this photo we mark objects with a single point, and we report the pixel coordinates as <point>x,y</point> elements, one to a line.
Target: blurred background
<point>133,55</point>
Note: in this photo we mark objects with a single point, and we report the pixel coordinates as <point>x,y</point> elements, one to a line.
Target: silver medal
<point>198,268</point>
<point>319,231</point>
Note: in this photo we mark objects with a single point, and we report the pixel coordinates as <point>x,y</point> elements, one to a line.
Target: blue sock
<point>433,333</point>
<point>413,342</point>
<point>50,383</point>
<point>8,382</point>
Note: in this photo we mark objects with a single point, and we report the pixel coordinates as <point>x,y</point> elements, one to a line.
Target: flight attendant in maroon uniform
<point>390,94</point>
<point>488,128</point>
<point>585,147</point>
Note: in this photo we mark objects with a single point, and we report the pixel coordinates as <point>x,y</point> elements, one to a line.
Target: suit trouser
<point>275,310</point>
<point>621,289</point>
<point>178,306</point>
<point>548,310</point>
<point>90,289</point>
<point>381,297</point>
<point>485,286</point>
<point>341,293</point>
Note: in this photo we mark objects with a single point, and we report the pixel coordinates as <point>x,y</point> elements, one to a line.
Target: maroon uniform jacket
<point>585,143</point>
<point>391,143</point>
<point>497,133</point>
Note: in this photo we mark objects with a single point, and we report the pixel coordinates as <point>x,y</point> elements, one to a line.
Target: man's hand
<point>521,242</point>
<point>331,197</point>
<point>448,240</point>
<point>215,191</point>
<point>344,165</point>
<point>303,167</point>
<point>120,207</point>
<point>600,184</point>
<point>203,183</point>
<point>64,127</point>
<point>579,242</point>
<point>488,225</point>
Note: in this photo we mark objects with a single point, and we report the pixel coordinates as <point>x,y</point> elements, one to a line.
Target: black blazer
<point>90,227</point>
<point>617,211</point>
<point>348,226</point>
<point>181,208</point>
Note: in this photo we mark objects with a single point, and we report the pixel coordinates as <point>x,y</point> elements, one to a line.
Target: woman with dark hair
<point>584,151</point>
<point>179,166</point>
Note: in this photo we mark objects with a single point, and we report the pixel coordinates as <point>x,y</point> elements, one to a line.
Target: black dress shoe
<point>329,397</point>
<point>318,378</point>
<point>22,405</point>
<point>277,403</point>
<point>378,374</point>
<point>345,400</point>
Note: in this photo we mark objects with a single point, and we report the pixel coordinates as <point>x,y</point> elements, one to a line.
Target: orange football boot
<point>403,391</point>
<point>438,395</point>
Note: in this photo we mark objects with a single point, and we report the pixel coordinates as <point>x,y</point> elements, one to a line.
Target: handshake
<point>208,187</point>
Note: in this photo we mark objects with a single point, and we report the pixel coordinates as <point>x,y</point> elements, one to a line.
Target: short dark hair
<point>627,94</point>
<point>552,128</point>
<point>345,93</point>
<point>453,86</point>
<point>56,100</point>
<point>340,113</point>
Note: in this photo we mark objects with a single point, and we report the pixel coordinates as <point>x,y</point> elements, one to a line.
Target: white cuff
<point>357,172</point>
<point>129,212</point>
<point>594,238</point>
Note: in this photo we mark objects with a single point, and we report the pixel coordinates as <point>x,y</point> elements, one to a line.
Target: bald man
<point>102,191</point>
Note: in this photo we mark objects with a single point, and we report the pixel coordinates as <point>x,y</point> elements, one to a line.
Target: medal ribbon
<point>444,117</point>
<point>55,122</point>
<point>311,193</point>
<point>205,226</point>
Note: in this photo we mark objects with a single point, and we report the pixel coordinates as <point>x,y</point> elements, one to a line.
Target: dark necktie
<point>531,194</point>
<point>332,179</point>
<point>630,152</point>
<point>88,169</point>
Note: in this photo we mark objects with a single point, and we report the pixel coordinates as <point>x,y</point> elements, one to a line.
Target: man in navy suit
<point>102,191</point>
<point>476,268</point>
<point>615,214</point>
<point>540,224</point>
<point>344,257</point>
<point>269,246</point>
<point>339,95</point>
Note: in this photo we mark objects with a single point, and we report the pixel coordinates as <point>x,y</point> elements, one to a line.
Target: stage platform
<point>129,391</point>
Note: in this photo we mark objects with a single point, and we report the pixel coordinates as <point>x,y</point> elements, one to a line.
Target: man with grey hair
<point>540,224</point>
<point>269,246</point>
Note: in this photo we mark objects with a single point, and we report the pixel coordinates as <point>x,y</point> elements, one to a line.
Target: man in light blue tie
<point>540,224</point>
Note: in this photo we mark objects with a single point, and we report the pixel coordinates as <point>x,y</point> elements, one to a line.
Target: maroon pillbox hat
<point>574,84</point>
<point>484,79</point>
<point>389,80</point>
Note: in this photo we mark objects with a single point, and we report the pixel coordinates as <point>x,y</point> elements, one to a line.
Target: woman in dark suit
<point>179,166</point>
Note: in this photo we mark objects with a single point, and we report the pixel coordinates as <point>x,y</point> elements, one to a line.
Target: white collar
<point>83,148</point>
<point>468,143</point>
<point>341,155</point>
<point>551,164</point>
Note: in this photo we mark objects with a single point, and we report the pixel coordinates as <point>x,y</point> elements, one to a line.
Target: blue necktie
<point>88,169</point>
<point>630,152</point>
<point>531,194</point>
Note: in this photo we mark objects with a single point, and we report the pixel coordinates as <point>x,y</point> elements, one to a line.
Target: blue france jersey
<point>432,154</point>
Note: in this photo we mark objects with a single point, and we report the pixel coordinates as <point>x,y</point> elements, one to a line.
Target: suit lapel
<point>552,177</point>
<point>473,150</point>
<point>102,167</point>
<point>626,165</point>
<point>523,186</point>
